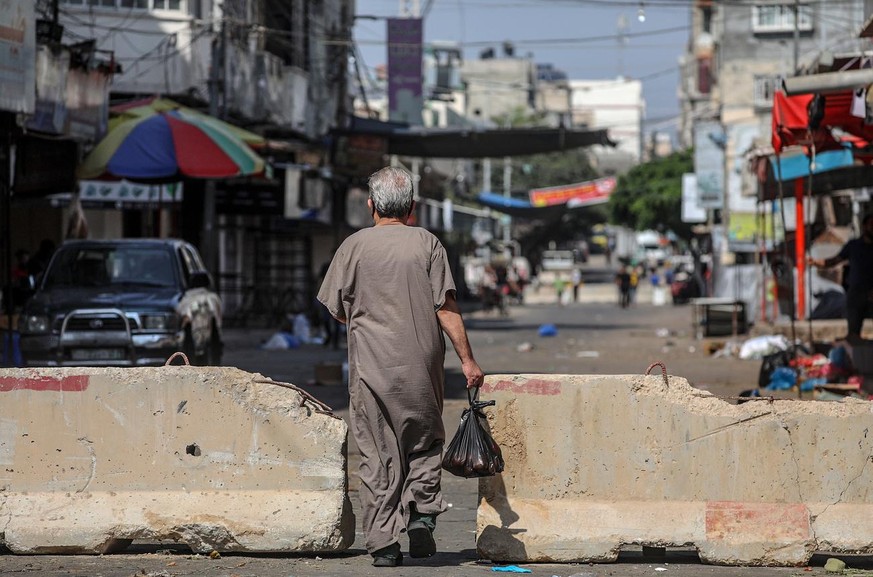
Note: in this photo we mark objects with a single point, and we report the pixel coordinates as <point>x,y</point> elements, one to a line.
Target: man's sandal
<point>421,543</point>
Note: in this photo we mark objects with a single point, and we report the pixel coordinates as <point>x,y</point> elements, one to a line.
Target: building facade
<point>275,67</point>
<point>738,55</point>
<point>616,105</point>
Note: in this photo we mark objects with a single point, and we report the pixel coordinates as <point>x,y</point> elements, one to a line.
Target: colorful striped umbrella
<point>170,145</point>
<point>155,104</point>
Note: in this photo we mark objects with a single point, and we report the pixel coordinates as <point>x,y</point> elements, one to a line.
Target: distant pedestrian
<point>576,280</point>
<point>392,286</point>
<point>560,287</point>
<point>634,283</point>
<point>623,282</point>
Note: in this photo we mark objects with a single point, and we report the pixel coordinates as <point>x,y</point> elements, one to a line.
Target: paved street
<point>593,337</point>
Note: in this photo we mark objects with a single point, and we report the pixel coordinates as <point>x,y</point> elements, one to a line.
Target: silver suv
<point>131,302</point>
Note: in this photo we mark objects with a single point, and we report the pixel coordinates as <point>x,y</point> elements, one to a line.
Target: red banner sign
<point>579,194</point>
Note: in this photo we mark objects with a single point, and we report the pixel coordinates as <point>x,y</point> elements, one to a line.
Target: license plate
<point>97,354</point>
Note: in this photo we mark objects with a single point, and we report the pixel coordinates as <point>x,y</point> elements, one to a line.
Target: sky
<point>580,37</point>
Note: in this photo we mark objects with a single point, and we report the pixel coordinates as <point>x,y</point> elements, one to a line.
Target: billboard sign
<point>17,56</point>
<point>50,113</point>
<point>691,211</point>
<point>574,195</point>
<point>709,164</point>
<point>405,70</point>
<point>125,192</point>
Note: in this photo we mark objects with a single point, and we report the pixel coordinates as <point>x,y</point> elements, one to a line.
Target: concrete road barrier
<point>597,462</point>
<point>220,459</point>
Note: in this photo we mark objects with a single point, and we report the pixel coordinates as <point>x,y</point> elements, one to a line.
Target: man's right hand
<point>474,374</point>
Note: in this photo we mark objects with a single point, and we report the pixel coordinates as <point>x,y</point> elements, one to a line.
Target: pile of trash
<point>786,367</point>
<point>833,376</point>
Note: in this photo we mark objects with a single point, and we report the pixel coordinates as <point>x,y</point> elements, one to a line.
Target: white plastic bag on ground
<point>302,330</point>
<point>759,347</point>
<point>281,341</point>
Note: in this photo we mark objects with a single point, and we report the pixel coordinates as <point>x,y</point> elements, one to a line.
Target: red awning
<point>808,119</point>
<point>790,120</point>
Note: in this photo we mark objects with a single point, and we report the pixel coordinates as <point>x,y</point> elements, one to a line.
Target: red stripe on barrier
<point>74,384</point>
<point>529,387</point>
<point>771,521</point>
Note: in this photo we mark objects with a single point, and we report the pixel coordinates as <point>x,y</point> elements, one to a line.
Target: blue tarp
<point>797,166</point>
<point>518,207</point>
<point>499,201</point>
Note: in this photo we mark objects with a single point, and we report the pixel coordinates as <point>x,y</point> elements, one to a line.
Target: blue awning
<point>794,166</point>
<point>518,207</point>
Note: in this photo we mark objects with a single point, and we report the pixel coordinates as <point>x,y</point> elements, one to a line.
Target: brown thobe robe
<point>387,282</point>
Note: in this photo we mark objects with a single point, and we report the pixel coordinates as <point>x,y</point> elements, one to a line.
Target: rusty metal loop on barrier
<point>663,371</point>
<point>304,397</point>
<point>743,399</point>
<point>178,354</point>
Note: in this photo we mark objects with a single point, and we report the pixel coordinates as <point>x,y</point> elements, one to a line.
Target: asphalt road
<point>593,337</point>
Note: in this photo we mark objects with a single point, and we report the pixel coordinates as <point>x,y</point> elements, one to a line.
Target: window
<point>176,5</point>
<point>706,24</point>
<point>167,4</point>
<point>765,86</point>
<point>780,18</point>
<point>704,75</point>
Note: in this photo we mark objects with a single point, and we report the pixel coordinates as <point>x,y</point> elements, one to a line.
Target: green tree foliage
<point>517,117</point>
<point>649,196</point>
<point>552,169</point>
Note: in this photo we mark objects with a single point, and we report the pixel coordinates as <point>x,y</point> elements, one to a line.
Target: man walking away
<point>392,286</point>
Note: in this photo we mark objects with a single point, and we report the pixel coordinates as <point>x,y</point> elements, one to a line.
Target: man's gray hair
<point>391,192</point>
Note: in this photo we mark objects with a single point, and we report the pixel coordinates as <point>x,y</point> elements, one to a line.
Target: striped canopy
<point>168,146</point>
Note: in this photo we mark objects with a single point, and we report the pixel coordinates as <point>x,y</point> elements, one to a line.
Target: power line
<point>586,39</point>
<point>546,41</point>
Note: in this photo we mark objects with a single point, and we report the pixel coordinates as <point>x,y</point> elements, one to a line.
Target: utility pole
<point>507,192</point>
<point>796,36</point>
<point>217,108</point>
<point>622,42</point>
<point>410,9</point>
<point>218,72</point>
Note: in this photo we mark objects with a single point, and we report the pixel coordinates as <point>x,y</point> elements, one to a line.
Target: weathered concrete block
<point>596,462</point>
<point>214,457</point>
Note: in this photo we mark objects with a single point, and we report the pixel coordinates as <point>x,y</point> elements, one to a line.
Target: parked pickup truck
<point>122,303</point>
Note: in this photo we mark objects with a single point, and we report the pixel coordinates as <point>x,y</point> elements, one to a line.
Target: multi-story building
<point>618,106</point>
<point>738,55</point>
<point>499,88</point>
<point>275,67</point>
<point>261,61</point>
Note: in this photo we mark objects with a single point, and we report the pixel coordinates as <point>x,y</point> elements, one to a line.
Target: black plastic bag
<point>772,362</point>
<point>472,452</point>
